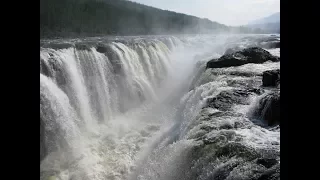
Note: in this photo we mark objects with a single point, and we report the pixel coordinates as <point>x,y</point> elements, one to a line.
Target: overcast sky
<point>228,12</point>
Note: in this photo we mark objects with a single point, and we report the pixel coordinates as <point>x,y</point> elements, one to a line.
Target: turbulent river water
<point>117,108</point>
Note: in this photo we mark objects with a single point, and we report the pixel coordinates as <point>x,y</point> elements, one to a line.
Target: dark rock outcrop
<point>83,46</point>
<point>269,108</point>
<point>102,48</point>
<point>237,157</point>
<point>112,56</point>
<point>237,149</point>
<point>221,143</point>
<point>45,68</point>
<point>226,99</point>
<point>275,45</point>
<point>271,78</point>
<point>52,68</point>
<point>267,162</point>
<point>248,55</point>
<point>222,149</point>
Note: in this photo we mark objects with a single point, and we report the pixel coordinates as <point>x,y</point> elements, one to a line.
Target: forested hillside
<point>65,18</point>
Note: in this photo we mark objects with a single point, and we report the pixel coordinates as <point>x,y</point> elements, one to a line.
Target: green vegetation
<point>66,18</point>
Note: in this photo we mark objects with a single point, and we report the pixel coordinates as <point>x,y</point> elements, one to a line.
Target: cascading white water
<point>113,113</point>
<point>103,112</point>
<point>56,111</point>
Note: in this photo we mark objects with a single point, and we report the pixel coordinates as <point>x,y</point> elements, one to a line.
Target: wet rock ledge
<point>245,56</point>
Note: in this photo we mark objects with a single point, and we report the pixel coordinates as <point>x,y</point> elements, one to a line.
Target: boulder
<point>258,55</point>
<point>271,78</point>
<point>269,108</point>
<point>245,56</point>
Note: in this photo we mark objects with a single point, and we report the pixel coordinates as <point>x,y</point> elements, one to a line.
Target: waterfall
<point>57,117</point>
<point>89,93</point>
<point>108,105</point>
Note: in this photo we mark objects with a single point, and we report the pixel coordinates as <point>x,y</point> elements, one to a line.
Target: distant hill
<point>269,24</point>
<point>65,18</point>
<point>274,18</point>
<point>115,17</point>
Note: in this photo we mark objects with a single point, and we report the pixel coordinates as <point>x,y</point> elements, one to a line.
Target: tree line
<point>65,18</point>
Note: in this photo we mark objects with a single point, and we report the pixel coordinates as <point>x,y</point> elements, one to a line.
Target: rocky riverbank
<point>238,125</point>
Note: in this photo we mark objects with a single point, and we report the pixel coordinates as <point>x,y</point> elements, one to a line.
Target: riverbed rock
<point>267,162</point>
<point>245,56</point>
<point>271,174</point>
<point>271,78</point>
<point>237,149</point>
<point>226,99</point>
<point>269,108</point>
<point>237,158</point>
